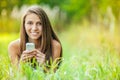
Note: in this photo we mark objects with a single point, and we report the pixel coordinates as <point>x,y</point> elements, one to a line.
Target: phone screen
<point>30,46</point>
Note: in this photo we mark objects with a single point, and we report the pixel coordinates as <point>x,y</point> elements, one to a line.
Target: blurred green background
<point>88,29</point>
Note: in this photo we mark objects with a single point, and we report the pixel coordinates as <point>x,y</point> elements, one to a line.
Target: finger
<point>29,51</point>
<point>37,52</point>
<point>34,52</point>
<point>40,56</point>
<point>40,53</point>
<point>26,52</point>
<point>24,55</point>
<point>40,61</point>
<point>27,57</point>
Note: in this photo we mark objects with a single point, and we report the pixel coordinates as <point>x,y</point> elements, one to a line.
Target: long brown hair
<point>47,34</point>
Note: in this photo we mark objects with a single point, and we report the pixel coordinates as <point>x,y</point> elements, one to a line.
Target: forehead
<point>33,17</point>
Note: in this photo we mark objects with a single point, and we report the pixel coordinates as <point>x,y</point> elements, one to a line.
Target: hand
<point>40,57</point>
<point>26,56</point>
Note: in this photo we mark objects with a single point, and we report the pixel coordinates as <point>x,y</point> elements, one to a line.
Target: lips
<point>34,33</point>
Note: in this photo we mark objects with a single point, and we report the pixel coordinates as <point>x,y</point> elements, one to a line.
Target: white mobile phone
<point>30,46</point>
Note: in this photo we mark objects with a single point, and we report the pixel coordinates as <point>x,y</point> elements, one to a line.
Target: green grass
<point>88,54</point>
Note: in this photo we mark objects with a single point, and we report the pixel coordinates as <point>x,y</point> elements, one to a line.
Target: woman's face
<point>33,26</point>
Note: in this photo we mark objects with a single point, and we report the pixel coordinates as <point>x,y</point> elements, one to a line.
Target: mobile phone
<point>30,46</point>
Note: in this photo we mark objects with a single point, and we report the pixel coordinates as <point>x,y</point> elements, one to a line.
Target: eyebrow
<point>33,20</point>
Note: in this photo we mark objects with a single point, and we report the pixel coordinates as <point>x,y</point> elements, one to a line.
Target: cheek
<point>27,29</point>
<point>40,29</point>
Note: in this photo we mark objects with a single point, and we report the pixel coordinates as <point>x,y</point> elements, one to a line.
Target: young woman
<point>36,28</point>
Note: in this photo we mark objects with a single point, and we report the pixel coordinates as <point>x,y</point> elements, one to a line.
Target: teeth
<point>34,33</point>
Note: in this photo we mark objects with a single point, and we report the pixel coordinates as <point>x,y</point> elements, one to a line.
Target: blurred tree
<point>110,8</point>
<point>116,10</point>
<point>93,10</point>
<point>6,6</point>
<point>77,9</point>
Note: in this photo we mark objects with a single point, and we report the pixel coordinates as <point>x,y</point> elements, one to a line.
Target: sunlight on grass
<point>88,54</point>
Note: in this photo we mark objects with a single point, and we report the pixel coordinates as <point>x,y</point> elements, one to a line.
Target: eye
<point>39,23</point>
<point>30,22</point>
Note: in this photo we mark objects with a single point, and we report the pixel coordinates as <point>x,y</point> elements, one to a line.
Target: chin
<point>35,38</point>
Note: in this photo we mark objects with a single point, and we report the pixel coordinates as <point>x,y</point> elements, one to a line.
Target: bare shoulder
<point>56,44</point>
<point>14,46</point>
<point>56,49</point>
<point>14,51</point>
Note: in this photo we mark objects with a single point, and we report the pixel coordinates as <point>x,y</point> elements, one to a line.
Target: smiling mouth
<point>34,33</point>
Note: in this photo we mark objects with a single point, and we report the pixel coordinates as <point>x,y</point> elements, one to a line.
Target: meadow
<point>89,53</point>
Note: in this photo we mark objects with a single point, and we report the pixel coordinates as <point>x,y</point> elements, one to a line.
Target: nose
<point>34,27</point>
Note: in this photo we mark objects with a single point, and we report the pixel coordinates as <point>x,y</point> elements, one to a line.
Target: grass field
<point>88,54</point>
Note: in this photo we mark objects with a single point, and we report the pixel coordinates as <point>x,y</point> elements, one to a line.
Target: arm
<point>13,51</point>
<point>56,51</point>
